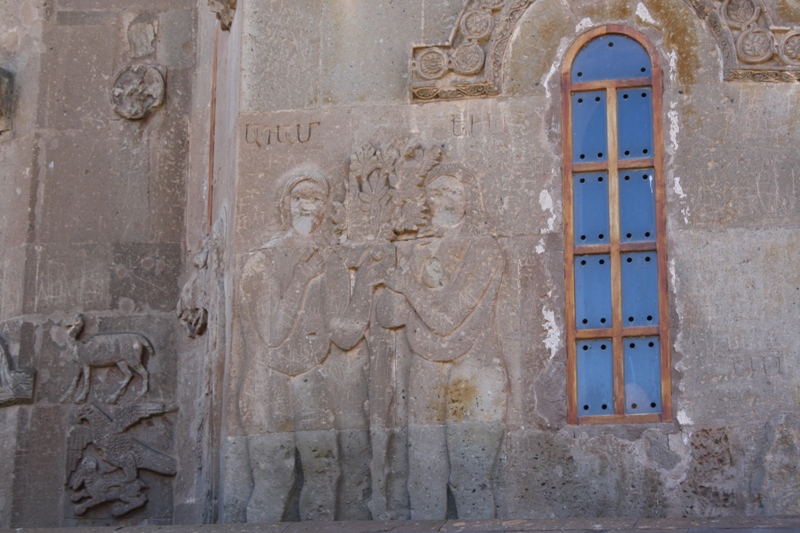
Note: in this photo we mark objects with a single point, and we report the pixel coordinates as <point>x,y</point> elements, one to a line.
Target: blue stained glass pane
<point>639,289</point>
<point>590,206</point>
<point>642,375</point>
<point>611,57</point>
<point>637,205</point>
<point>593,291</point>
<point>595,377</point>
<point>635,123</point>
<point>589,136</point>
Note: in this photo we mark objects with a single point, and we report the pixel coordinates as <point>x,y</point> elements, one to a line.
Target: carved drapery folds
<point>754,47</point>
<point>470,64</point>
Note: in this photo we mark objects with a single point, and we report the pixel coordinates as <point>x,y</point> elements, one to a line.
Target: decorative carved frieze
<point>126,351</point>
<point>16,385</point>
<point>6,99</point>
<point>103,460</point>
<point>225,10</point>
<point>470,64</point>
<point>754,46</point>
<point>138,91</point>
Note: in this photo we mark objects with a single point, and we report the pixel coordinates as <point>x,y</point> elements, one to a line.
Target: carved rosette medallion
<point>740,13</point>
<point>790,48</point>
<point>468,59</point>
<point>477,25</point>
<point>432,64</point>
<point>138,91</point>
<point>753,46</point>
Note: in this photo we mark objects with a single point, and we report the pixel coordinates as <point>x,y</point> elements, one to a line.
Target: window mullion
<point>613,223</point>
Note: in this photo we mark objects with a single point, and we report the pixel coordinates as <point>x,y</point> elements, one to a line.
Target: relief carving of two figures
<point>372,383</point>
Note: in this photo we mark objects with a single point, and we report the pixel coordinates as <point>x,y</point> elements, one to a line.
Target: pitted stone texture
<point>776,482</point>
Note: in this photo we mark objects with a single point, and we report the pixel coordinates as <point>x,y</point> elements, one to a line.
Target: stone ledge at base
<point>728,524</point>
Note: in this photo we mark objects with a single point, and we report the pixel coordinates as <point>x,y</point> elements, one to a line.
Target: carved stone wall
<point>243,278</point>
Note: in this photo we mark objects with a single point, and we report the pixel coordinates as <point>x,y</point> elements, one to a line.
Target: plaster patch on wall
<point>553,338</point>
<point>644,14</point>
<point>683,418</point>
<point>553,70</point>
<point>540,247</point>
<point>673,65</point>
<point>674,128</point>
<point>584,24</point>
<point>546,201</point>
<point>673,278</point>
<point>678,189</point>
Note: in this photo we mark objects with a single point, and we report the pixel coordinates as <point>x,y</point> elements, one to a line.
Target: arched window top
<point>609,57</point>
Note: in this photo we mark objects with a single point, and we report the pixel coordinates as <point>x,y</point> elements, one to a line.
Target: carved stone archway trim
<point>470,64</point>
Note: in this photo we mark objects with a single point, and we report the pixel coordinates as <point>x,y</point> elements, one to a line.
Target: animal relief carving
<point>126,351</point>
<point>16,386</point>
<point>103,460</point>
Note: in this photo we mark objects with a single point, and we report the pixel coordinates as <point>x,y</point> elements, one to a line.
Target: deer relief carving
<point>103,461</point>
<point>123,350</point>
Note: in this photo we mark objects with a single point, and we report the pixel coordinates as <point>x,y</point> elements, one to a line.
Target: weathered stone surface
<point>376,306</point>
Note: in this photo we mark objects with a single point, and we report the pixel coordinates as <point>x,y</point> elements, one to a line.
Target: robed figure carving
<point>303,387</point>
<point>443,292</point>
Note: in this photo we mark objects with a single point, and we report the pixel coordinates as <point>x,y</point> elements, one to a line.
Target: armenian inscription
<point>263,135</point>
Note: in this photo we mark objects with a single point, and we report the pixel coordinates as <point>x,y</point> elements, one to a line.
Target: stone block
<point>143,276</point>
<point>735,293</point>
<point>176,38</point>
<point>65,278</point>
<point>75,76</point>
<point>84,171</point>
<point>364,50</point>
<point>281,56</point>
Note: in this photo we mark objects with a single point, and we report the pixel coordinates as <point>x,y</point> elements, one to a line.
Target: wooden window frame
<point>613,165</point>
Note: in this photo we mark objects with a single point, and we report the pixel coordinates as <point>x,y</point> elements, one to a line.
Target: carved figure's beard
<point>305,222</point>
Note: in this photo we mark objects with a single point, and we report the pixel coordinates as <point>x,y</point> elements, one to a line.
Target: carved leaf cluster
<point>384,192</point>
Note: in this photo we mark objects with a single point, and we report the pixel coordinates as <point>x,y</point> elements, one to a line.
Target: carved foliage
<point>6,98</point>
<point>753,46</point>
<point>16,386</point>
<point>225,10</point>
<point>197,293</point>
<point>103,460</point>
<point>385,199</point>
<point>470,64</point>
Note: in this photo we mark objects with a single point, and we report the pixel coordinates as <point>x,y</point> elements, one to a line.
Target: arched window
<point>618,368</point>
